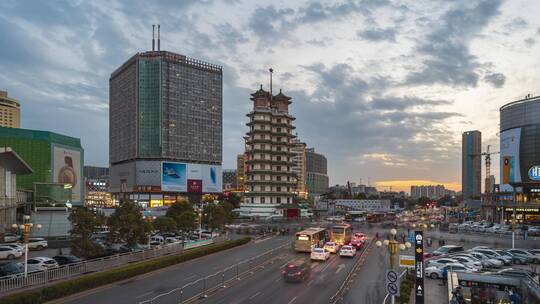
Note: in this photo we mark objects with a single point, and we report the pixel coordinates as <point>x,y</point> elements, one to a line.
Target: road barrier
<point>203,286</point>
<point>10,283</point>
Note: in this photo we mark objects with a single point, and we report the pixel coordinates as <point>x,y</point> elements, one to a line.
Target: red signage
<point>194,186</point>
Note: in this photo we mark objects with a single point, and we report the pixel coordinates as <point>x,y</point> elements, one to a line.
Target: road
<point>149,285</point>
<point>267,285</point>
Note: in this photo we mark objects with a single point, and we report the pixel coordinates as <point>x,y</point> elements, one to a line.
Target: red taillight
<point>298,273</point>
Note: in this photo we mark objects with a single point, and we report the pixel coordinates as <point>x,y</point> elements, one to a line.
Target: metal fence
<point>10,283</point>
<point>203,286</point>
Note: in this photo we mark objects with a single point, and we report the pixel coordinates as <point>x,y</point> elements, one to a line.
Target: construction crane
<point>487,154</point>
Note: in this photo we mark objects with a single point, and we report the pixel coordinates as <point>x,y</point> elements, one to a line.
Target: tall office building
<point>270,180</point>
<point>299,166</point>
<point>316,172</point>
<point>10,111</point>
<point>165,120</point>
<point>471,164</point>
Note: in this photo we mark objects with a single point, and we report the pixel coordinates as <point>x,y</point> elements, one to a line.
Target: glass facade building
<point>163,107</point>
<point>317,180</point>
<point>471,164</point>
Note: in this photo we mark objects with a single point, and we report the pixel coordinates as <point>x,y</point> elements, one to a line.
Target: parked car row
<point>477,259</point>
<point>9,269</point>
<point>487,227</point>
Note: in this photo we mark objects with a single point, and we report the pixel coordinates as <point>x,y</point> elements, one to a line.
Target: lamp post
<point>393,247</point>
<point>26,229</point>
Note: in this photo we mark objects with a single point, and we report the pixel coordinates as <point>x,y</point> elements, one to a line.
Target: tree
<point>422,201</point>
<point>232,198</point>
<point>83,223</point>
<point>165,224</point>
<point>214,216</point>
<point>229,213</point>
<point>183,214</point>
<point>127,225</point>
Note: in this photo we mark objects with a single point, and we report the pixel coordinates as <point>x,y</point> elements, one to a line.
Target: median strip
<point>66,288</point>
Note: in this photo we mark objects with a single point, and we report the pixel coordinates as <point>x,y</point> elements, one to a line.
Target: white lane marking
<point>292,300</point>
<point>309,283</point>
<point>253,296</point>
<point>144,294</point>
<point>190,277</point>
<point>340,268</point>
<point>262,240</point>
<point>326,266</point>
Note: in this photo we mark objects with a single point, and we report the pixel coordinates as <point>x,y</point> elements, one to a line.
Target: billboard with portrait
<point>173,177</point>
<point>67,169</point>
<point>510,165</point>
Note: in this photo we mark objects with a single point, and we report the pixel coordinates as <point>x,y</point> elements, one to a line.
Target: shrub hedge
<point>66,288</point>
<point>407,284</point>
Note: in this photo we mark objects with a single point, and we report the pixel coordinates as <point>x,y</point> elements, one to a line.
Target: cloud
<point>448,60</point>
<point>529,42</point>
<point>516,24</point>
<point>497,80</point>
<point>388,34</point>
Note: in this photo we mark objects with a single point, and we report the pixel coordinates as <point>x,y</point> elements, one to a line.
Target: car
<point>37,243</point>
<point>486,260</point>
<point>172,240</point>
<point>296,271</point>
<point>534,251</point>
<point>494,255</point>
<point>319,254</point>
<point>534,231</point>
<point>494,229</point>
<point>447,249</point>
<point>66,259</point>
<point>441,262</point>
<point>41,263</point>
<point>360,236</point>
<point>10,269</point>
<point>8,253</point>
<point>14,246</point>
<point>515,272</point>
<point>157,240</point>
<point>516,258</point>
<point>331,247</point>
<point>11,237</point>
<point>469,262</point>
<point>437,272</point>
<point>533,258</point>
<point>347,250</point>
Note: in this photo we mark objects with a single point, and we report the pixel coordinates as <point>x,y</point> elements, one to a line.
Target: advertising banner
<point>212,179</point>
<point>67,170</point>
<point>194,185</point>
<point>174,177</point>
<point>510,172</point>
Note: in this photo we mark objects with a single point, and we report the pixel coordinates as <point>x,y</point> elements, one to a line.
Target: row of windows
<point>271,200</point>
<point>267,177</point>
<point>269,188</point>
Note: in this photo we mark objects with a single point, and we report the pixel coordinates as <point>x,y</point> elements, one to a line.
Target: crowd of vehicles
<point>494,228</point>
<point>479,259</point>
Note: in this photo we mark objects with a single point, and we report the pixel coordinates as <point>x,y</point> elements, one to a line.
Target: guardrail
<point>201,287</point>
<point>10,283</point>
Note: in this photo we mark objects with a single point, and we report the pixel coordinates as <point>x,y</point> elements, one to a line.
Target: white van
<point>157,240</point>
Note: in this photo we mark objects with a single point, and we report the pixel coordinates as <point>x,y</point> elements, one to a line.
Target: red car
<point>358,240</point>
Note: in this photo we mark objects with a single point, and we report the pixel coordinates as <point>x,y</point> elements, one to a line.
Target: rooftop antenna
<point>153,36</point>
<point>271,72</point>
<point>158,40</point>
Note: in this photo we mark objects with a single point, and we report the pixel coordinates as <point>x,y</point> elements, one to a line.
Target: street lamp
<point>393,248</point>
<point>26,229</point>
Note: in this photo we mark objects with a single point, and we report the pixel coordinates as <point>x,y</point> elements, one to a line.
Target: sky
<point>383,88</point>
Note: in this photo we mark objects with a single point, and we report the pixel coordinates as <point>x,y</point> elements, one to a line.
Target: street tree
<point>183,214</point>
<point>165,224</point>
<point>83,223</point>
<point>214,216</point>
<point>127,225</point>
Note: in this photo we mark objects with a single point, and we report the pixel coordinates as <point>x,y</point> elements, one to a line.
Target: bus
<point>310,238</point>
<point>375,217</point>
<point>341,234</point>
<point>356,216</point>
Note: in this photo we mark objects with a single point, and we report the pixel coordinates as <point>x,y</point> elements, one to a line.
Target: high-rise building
<point>93,172</point>
<point>316,172</point>
<point>429,191</point>
<point>165,120</point>
<point>270,181</point>
<point>229,179</point>
<point>299,166</point>
<point>471,164</point>
<point>10,111</point>
<point>240,171</point>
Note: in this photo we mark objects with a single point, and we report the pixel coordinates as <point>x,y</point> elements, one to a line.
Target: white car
<point>469,262</point>
<point>331,247</point>
<point>11,237</point>
<point>437,272</point>
<point>347,250</point>
<point>319,254</point>
<point>8,253</point>
<point>440,262</point>
<point>14,246</point>
<point>41,263</point>
<point>37,243</point>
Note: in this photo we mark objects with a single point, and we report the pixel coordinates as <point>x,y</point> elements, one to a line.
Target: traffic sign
<point>419,266</point>
<point>392,282</point>
<point>406,261</point>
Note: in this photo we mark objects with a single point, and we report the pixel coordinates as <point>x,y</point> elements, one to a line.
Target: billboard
<point>173,177</point>
<point>67,169</point>
<point>192,178</point>
<point>510,173</point>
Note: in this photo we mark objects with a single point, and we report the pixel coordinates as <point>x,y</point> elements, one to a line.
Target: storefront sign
<point>407,261</point>
<point>534,173</point>
<point>419,266</point>
<point>509,209</point>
